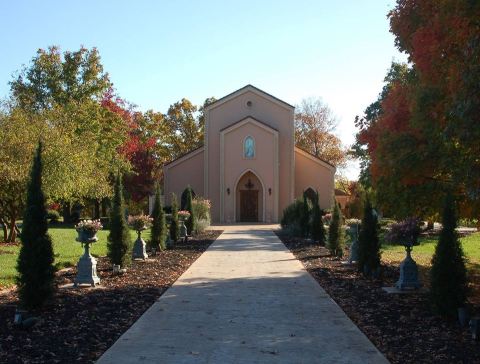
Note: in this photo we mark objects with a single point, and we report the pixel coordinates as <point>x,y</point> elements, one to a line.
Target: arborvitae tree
<point>368,242</point>
<point>35,261</point>
<point>191,221</point>
<point>174,225</point>
<point>119,239</point>
<point>159,226</point>
<point>336,234</point>
<point>305,217</point>
<point>448,276</point>
<point>317,229</point>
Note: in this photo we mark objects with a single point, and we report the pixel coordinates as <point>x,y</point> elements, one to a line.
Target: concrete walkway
<point>245,300</point>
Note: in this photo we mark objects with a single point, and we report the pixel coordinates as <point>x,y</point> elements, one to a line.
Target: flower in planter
<point>327,218</point>
<point>89,226</point>
<point>139,222</point>
<point>183,215</point>
<point>405,232</point>
<point>353,222</point>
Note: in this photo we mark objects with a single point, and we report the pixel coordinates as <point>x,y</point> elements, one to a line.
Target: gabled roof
<point>245,119</point>
<point>245,89</point>
<point>184,156</point>
<point>315,158</point>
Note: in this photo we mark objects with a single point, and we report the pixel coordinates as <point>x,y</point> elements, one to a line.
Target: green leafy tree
<point>448,276</point>
<point>174,225</point>
<point>368,242</point>
<point>192,219</point>
<point>305,217</point>
<point>35,261</point>
<point>119,239</point>
<point>317,229</point>
<point>159,227</point>
<point>336,234</point>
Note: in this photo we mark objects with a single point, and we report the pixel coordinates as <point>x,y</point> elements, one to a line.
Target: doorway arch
<point>249,201</point>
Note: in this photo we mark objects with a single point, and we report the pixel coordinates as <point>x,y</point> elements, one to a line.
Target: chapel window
<point>249,147</point>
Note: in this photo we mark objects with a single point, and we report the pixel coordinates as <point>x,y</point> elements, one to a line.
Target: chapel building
<point>249,167</point>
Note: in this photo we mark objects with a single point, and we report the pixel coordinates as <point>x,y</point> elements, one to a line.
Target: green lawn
<point>67,251</point>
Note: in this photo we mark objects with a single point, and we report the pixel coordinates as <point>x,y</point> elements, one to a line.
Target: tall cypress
<point>159,227</point>
<point>368,242</point>
<point>317,229</point>
<point>191,221</point>
<point>335,232</point>
<point>35,261</point>
<point>119,239</point>
<point>448,276</point>
<point>174,225</point>
<point>305,217</point>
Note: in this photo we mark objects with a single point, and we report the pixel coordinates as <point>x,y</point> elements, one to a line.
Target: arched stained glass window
<point>249,147</point>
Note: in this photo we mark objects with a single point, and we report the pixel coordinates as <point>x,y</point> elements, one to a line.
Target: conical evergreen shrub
<point>336,236</point>
<point>368,242</point>
<point>192,220</point>
<point>159,227</point>
<point>35,261</point>
<point>305,217</point>
<point>317,229</point>
<point>119,239</point>
<point>174,225</point>
<point>448,276</point>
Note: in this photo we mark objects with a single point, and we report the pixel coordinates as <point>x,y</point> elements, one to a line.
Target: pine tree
<point>336,235</point>
<point>35,261</point>
<point>448,276</point>
<point>317,229</point>
<point>119,239</point>
<point>368,242</point>
<point>191,221</point>
<point>305,217</point>
<point>159,227</point>
<point>174,225</point>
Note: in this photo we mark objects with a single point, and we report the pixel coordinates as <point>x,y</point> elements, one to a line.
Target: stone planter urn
<point>87,265</point>
<point>408,272</point>
<point>139,247</point>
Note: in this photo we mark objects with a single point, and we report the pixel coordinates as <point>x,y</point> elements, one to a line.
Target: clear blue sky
<point>158,52</point>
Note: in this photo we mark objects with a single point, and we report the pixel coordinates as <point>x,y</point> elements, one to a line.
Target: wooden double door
<point>248,205</point>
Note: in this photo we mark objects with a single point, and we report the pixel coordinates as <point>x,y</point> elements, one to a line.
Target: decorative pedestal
<point>139,248</point>
<point>183,230</point>
<point>87,266</point>
<point>408,273</point>
<point>353,256</point>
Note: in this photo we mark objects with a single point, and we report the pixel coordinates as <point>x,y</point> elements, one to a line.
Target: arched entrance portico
<point>249,198</point>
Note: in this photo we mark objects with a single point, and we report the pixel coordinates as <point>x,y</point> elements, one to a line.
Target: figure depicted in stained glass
<point>249,147</point>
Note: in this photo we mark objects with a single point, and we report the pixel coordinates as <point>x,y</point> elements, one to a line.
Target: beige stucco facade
<point>254,184</point>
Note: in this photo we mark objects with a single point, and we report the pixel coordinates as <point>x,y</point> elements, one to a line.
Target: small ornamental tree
<point>368,242</point>
<point>191,221</point>
<point>448,276</point>
<point>336,235</point>
<point>159,226</point>
<point>317,229</point>
<point>174,225</point>
<point>305,217</point>
<point>35,261</point>
<point>119,239</point>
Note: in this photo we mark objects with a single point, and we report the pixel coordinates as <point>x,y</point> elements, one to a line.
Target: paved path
<point>245,300</point>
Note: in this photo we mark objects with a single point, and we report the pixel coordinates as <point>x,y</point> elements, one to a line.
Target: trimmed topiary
<point>174,225</point>
<point>316,228</point>
<point>368,242</point>
<point>159,225</point>
<point>448,276</point>
<point>35,261</point>
<point>119,239</point>
<point>336,236</point>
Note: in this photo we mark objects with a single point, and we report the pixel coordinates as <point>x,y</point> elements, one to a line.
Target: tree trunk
<point>96,212</point>
<point>13,231</point>
<point>430,225</point>
<point>105,204</point>
<point>4,228</point>
<point>66,212</point>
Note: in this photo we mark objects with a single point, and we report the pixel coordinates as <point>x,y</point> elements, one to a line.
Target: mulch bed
<point>402,327</point>
<point>78,325</point>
